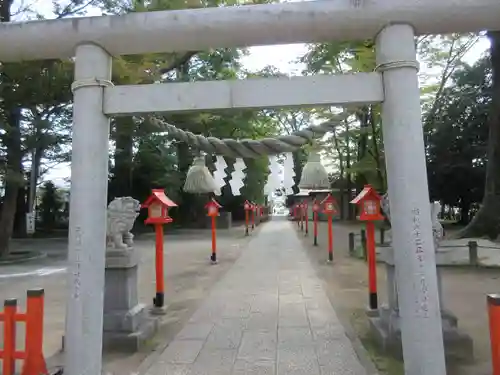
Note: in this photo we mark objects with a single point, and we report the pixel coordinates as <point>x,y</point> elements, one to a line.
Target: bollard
<point>363,244</point>
<point>306,217</point>
<point>246,222</point>
<point>159,298</point>
<point>473,258</point>
<point>382,236</point>
<point>372,265</point>
<point>213,257</point>
<point>351,244</point>
<point>34,362</point>
<point>9,337</point>
<point>493,301</point>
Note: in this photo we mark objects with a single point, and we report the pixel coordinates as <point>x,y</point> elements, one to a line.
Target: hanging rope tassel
<point>199,180</point>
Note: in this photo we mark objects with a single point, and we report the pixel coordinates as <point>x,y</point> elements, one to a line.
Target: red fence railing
<point>32,355</point>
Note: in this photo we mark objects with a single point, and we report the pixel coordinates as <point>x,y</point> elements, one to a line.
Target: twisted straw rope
<point>246,148</point>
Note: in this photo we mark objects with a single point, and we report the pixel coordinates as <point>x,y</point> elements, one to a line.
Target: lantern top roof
<point>368,193</point>
<point>158,195</point>
<point>328,199</point>
<point>213,203</point>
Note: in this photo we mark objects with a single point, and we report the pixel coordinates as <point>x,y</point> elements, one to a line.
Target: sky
<point>283,57</point>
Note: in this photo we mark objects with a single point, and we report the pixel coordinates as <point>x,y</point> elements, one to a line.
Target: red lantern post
<point>315,220</point>
<point>213,211</point>
<point>252,204</point>
<point>301,214</point>
<point>296,214</point>
<point>368,202</point>
<point>306,217</point>
<point>247,206</point>
<point>329,209</point>
<point>158,205</point>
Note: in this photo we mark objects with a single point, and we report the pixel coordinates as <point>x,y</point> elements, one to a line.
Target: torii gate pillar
<point>414,256</point>
<point>87,235</point>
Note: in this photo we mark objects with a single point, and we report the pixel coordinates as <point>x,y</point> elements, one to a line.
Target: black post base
<point>246,231</point>
<point>330,257</point>
<point>159,300</point>
<point>373,299</point>
<point>253,226</point>
<point>213,257</point>
<point>315,243</point>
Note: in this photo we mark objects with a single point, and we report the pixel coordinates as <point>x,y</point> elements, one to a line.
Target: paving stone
<point>196,331</point>
<point>338,357</point>
<point>297,360</point>
<point>226,334</point>
<point>262,321</point>
<point>294,336</point>
<point>269,315</point>
<point>258,346</point>
<point>214,362</point>
<point>242,367</point>
<point>182,351</point>
<point>162,368</point>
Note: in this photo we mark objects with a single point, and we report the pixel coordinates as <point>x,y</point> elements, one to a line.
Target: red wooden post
<point>158,205</point>
<point>213,211</point>
<point>494,323</point>
<point>34,362</point>
<point>372,265</point>
<point>9,337</point>
<point>253,215</point>
<point>368,202</point>
<point>330,238</point>
<point>159,267</point>
<point>306,217</point>
<point>329,209</point>
<point>247,207</point>
<point>301,213</point>
<point>315,218</point>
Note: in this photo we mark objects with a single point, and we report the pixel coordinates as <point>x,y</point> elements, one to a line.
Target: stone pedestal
<point>386,326</point>
<point>127,324</point>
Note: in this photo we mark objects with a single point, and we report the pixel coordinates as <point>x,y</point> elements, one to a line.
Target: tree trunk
<point>14,178</point>
<point>121,183</point>
<point>464,212</point>
<point>487,220</point>
<point>20,217</point>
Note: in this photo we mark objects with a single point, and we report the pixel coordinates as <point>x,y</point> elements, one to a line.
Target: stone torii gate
<point>394,23</point>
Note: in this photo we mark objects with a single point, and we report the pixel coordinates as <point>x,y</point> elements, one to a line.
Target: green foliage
<point>457,140</point>
<point>51,206</point>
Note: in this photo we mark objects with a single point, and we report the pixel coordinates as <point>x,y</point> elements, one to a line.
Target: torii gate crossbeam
<point>393,23</point>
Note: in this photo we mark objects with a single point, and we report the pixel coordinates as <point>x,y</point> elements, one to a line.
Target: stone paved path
<point>268,315</point>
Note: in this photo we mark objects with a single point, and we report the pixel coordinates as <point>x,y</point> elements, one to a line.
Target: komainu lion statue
<point>122,213</point>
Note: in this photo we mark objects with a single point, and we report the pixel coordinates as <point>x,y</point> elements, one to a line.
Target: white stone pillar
<point>414,256</point>
<point>87,232</point>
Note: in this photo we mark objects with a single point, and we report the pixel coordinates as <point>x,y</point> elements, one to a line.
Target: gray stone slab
<point>269,315</point>
<point>339,357</point>
<point>297,360</point>
<point>214,362</point>
<point>294,336</point>
<point>258,346</point>
<point>242,367</point>
<point>182,351</point>
<point>162,368</point>
<point>226,334</point>
<point>195,331</point>
<point>262,321</point>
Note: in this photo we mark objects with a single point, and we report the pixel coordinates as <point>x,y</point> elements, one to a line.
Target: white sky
<point>283,57</point>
